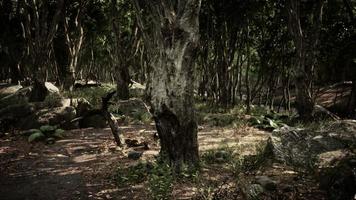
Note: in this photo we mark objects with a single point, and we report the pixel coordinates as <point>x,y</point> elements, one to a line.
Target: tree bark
<point>172,41</point>
<point>122,53</point>
<point>306,46</point>
<point>74,39</point>
<point>110,118</point>
<point>39,32</point>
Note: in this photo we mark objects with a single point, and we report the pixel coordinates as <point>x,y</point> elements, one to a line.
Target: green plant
<point>266,122</point>
<point>160,181</point>
<point>220,155</point>
<point>247,163</point>
<point>132,174</point>
<point>141,116</point>
<point>91,94</point>
<point>53,100</point>
<point>45,132</point>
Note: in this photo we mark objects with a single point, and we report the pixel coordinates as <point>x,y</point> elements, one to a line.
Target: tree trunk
<point>74,40</point>
<point>122,54</point>
<point>306,46</point>
<point>123,83</point>
<point>172,44</point>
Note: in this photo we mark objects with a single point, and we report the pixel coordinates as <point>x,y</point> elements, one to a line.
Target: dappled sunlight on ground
<point>82,165</point>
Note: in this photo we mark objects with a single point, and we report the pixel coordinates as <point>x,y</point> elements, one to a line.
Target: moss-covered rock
<point>328,153</point>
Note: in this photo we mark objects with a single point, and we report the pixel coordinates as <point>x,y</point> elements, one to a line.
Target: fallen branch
<point>110,118</point>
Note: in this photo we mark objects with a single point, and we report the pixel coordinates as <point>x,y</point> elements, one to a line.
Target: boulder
<point>28,94</point>
<point>51,88</point>
<point>137,89</point>
<point>95,121</point>
<point>81,105</point>
<point>21,96</point>
<point>266,182</point>
<point>61,116</point>
<point>328,152</point>
<point>5,91</point>
<point>321,113</point>
<point>134,155</point>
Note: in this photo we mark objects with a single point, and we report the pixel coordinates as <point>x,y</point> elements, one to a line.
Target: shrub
<point>92,94</point>
<point>133,174</point>
<point>53,100</point>
<point>45,132</point>
<point>220,155</point>
<point>160,181</point>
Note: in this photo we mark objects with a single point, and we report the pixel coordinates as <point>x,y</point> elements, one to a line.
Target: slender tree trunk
<point>172,43</point>
<point>247,81</point>
<point>121,57</point>
<point>74,40</point>
<point>306,47</point>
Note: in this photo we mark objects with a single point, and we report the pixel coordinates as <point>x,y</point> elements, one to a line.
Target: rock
<point>95,121</point>
<point>81,105</point>
<point>137,89</point>
<point>28,94</point>
<point>254,191</point>
<point>54,116</point>
<point>17,111</point>
<point>322,113</point>
<point>12,89</point>
<point>297,146</point>
<point>134,155</point>
<point>51,88</point>
<point>266,182</point>
<point>339,180</point>
<point>328,151</point>
<point>19,97</point>
<point>132,143</point>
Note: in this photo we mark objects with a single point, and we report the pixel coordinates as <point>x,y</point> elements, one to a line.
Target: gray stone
<point>81,105</point>
<point>266,182</point>
<point>51,88</point>
<point>328,151</point>
<point>95,121</point>
<point>5,91</point>
<point>137,89</point>
<point>134,155</point>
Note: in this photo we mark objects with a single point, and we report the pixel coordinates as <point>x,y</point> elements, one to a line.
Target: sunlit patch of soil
<point>84,163</point>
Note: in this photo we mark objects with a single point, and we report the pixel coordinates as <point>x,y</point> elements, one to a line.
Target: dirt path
<point>64,170</point>
<point>81,165</point>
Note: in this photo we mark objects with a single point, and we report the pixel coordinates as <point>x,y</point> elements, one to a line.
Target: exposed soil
<point>82,165</point>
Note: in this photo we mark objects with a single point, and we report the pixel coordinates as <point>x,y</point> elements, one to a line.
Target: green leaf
<point>35,136</point>
<point>58,133</point>
<point>30,132</point>
<point>47,128</point>
<point>272,123</point>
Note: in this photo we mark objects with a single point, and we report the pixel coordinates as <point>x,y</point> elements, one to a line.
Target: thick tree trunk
<point>173,42</point>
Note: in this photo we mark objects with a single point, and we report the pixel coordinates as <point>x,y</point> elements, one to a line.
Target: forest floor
<point>82,166</point>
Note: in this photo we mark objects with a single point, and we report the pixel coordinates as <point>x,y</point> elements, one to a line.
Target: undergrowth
<point>92,94</point>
